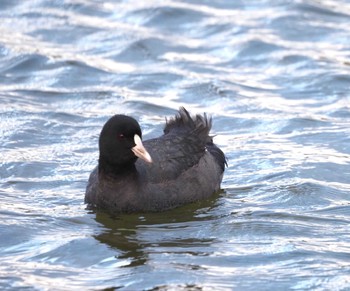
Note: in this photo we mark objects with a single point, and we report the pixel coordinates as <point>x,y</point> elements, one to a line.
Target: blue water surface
<point>274,74</point>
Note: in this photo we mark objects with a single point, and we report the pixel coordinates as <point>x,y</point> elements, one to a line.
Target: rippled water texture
<point>275,77</point>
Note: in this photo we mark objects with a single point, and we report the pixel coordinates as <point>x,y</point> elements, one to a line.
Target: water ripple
<point>274,75</point>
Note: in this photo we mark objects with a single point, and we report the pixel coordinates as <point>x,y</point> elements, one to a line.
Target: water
<point>275,77</point>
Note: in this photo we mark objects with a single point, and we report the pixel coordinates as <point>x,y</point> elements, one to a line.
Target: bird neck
<point>115,169</point>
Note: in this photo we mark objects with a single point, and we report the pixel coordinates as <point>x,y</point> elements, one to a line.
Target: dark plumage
<point>179,167</point>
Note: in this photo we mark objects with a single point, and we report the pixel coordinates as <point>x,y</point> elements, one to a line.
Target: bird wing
<point>180,148</point>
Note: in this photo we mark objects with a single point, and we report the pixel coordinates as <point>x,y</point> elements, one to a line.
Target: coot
<point>181,166</point>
